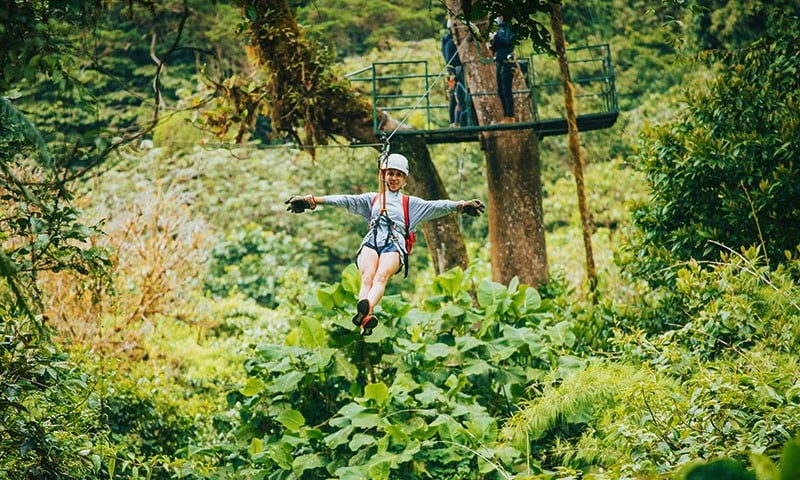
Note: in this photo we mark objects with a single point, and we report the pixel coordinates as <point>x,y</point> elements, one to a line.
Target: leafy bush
<point>147,427</point>
<point>763,468</point>
<point>257,263</point>
<point>727,171</point>
<point>419,397</point>
<point>48,426</point>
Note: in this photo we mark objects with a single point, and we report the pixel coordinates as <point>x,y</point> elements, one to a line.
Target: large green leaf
<point>378,392</point>
<point>365,420</point>
<point>397,433</point>
<point>256,446</point>
<point>527,300</point>
<point>311,333</point>
<point>325,296</point>
<point>561,334</point>
<point>319,359</point>
<point>339,437</point>
<point>254,386</point>
<point>790,460</point>
<point>291,419</point>
<point>346,413</point>
<point>456,384</point>
<point>765,468</point>
<point>431,395</point>
<point>361,440</point>
<point>351,280</point>
<point>344,367</point>
<point>435,351</point>
<point>332,296</point>
<point>286,382</point>
<point>517,337</point>
<point>491,294</point>
<point>476,367</point>
<point>482,428</point>
<point>468,342</point>
<point>350,473</point>
<point>281,454</point>
<point>310,461</point>
<point>450,282</point>
<point>380,471</point>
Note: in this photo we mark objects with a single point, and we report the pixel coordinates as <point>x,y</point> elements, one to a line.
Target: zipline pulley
<point>383,162</point>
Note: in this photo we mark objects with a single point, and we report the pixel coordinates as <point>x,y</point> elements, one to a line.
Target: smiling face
<point>395,179</point>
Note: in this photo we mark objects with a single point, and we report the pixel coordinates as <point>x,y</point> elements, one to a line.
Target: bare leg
<point>367,266</point>
<point>388,263</point>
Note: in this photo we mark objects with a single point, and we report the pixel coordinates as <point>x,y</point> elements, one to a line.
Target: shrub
<point>726,173</point>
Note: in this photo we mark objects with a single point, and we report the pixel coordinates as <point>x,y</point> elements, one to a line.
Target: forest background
<point>164,317</point>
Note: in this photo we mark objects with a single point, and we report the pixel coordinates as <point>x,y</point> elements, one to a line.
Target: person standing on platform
<point>455,83</point>
<point>500,43</point>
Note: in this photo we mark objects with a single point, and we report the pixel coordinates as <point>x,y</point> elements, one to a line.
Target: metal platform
<point>407,90</point>
<point>543,128</point>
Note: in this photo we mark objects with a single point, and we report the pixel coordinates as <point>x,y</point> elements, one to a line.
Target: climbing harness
<point>383,215</point>
<point>409,236</point>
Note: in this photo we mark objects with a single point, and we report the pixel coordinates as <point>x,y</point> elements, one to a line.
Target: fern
<point>575,400</point>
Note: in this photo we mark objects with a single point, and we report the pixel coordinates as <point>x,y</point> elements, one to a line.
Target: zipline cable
<point>385,139</point>
<point>421,97</point>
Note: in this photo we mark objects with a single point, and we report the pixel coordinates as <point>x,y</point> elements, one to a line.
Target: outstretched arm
<point>358,204</point>
<point>422,210</point>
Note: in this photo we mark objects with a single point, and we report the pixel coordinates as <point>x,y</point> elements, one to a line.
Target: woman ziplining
<point>392,217</point>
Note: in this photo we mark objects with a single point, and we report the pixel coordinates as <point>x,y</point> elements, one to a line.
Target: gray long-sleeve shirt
<point>367,206</point>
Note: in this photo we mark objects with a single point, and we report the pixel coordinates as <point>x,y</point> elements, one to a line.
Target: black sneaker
<point>369,322</point>
<point>362,310</point>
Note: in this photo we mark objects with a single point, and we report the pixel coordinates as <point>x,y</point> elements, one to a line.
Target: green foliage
<point>257,263</point>
<point>30,39</point>
<point>707,369</point>
<point>726,172</point>
<point>565,406</point>
<point>734,24</point>
<point>147,426</point>
<point>763,468</point>
<point>417,398</point>
<point>357,27</point>
<point>48,428</point>
<point>732,305</point>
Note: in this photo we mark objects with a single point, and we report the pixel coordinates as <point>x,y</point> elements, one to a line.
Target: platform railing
<point>420,98</point>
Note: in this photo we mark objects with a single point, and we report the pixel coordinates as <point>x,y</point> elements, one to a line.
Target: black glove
<point>473,207</point>
<point>300,204</point>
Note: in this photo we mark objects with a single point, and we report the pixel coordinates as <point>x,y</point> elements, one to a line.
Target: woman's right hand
<point>300,204</point>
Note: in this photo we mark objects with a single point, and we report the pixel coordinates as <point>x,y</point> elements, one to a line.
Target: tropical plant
<point>47,428</point>
<point>763,467</point>
<point>420,397</point>
<point>725,173</point>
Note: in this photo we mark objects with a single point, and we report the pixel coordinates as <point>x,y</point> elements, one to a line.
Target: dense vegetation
<point>163,317</point>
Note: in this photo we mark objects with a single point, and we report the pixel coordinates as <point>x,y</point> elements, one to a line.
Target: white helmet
<point>397,162</point>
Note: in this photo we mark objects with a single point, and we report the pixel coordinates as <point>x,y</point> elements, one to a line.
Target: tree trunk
<point>303,89</point>
<point>556,24</point>
<point>513,170</point>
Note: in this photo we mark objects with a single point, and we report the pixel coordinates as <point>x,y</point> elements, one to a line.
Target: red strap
<point>405,210</point>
